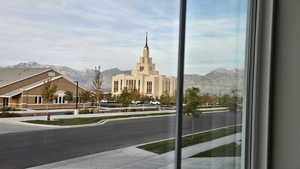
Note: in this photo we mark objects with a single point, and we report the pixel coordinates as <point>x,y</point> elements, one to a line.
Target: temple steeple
<point>146,48</point>
<point>146,44</point>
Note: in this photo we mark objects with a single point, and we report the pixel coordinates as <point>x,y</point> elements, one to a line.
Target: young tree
<point>85,96</point>
<point>108,96</point>
<point>125,98</point>
<point>225,100</point>
<point>165,99</point>
<point>48,93</point>
<point>192,103</point>
<point>236,101</point>
<point>208,100</point>
<point>233,101</point>
<point>69,96</point>
<point>135,95</point>
<point>97,84</point>
<point>145,98</point>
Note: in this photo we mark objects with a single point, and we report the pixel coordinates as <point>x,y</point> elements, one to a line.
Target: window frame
<point>256,109</point>
<point>259,46</point>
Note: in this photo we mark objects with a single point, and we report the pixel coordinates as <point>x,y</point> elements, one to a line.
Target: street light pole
<point>76,95</point>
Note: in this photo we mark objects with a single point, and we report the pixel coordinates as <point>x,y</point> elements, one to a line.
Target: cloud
<point>85,33</point>
<point>215,43</point>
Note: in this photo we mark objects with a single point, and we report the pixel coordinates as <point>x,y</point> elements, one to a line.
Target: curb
<point>101,122</point>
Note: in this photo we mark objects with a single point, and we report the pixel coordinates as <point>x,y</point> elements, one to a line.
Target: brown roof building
<point>22,88</point>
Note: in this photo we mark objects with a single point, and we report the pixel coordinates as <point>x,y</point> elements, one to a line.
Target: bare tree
<point>97,84</point>
<point>48,93</point>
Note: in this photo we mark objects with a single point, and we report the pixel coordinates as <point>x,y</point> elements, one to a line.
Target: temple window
<point>116,86</point>
<point>149,87</point>
<point>142,68</point>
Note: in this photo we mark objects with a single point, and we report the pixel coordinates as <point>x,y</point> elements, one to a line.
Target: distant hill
<point>84,77</point>
<point>217,82</point>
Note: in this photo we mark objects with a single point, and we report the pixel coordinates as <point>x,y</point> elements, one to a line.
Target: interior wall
<point>285,104</point>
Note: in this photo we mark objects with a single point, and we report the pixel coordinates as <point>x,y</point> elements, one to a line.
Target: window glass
<point>88,83</point>
<point>92,84</point>
<point>214,84</point>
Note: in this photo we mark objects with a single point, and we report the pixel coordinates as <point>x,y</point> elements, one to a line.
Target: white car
<point>137,102</point>
<point>155,102</point>
<point>103,101</point>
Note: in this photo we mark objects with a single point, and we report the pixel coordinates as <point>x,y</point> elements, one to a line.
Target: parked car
<point>155,102</point>
<point>137,102</point>
<point>103,101</point>
<point>113,101</point>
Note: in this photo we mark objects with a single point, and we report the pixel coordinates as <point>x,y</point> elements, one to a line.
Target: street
<point>28,149</point>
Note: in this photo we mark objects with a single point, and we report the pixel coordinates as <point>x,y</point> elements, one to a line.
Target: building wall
<point>1,102</point>
<point>27,98</point>
<point>26,82</point>
<point>158,84</point>
<point>146,73</point>
<point>61,83</point>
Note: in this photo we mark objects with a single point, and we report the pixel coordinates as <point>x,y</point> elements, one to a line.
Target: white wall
<point>285,103</point>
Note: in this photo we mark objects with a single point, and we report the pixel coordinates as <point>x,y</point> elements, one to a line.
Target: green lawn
<point>86,120</point>
<point>227,150</point>
<point>169,145</point>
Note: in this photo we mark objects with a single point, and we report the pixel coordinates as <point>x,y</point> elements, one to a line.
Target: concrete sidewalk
<point>103,109</point>
<point>134,158</point>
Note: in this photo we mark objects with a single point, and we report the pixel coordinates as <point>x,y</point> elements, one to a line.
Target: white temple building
<point>145,78</point>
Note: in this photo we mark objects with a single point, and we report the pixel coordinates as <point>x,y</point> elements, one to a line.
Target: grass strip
<point>87,120</point>
<point>227,150</point>
<point>169,145</point>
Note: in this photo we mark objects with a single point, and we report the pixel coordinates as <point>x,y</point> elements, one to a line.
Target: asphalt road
<point>28,149</point>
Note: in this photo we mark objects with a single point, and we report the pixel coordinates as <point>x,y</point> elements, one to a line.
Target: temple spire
<point>146,48</point>
<point>146,44</point>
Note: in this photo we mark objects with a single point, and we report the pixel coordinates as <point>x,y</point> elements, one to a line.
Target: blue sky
<point>111,33</point>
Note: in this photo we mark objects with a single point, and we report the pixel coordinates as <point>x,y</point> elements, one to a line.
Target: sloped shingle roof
<point>11,75</point>
<point>28,87</point>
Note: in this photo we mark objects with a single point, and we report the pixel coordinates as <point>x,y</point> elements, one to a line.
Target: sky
<point>111,33</point>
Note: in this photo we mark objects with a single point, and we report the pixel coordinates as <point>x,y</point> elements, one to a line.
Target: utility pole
<point>76,112</point>
<point>76,94</point>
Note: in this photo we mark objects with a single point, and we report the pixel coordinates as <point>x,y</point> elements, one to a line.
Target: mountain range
<point>218,82</point>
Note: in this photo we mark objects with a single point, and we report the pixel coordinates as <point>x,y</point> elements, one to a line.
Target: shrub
<point>9,109</point>
<point>69,113</point>
<point>7,115</point>
<point>84,111</point>
<point>111,105</point>
<point>95,110</point>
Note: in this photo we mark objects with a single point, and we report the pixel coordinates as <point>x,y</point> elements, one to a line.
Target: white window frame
<point>259,45</point>
<point>258,77</point>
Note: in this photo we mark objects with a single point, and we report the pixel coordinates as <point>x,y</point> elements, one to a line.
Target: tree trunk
<point>48,113</point>
<point>192,127</point>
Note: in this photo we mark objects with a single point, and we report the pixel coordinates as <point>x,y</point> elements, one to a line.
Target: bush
<point>69,113</point>
<point>9,109</point>
<point>95,110</point>
<point>113,105</point>
<point>84,111</point>
<point>7,115</point>
<point>89,111</point>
